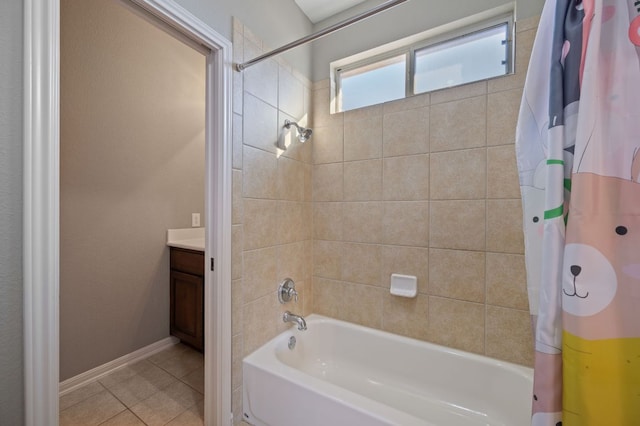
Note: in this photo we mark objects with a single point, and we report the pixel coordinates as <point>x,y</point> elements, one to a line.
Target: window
<point>374,83</point>
<point>426,62</point>
<point>472,57</point>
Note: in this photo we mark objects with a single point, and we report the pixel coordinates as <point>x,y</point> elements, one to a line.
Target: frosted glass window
<point>472,57</point>
<point>374,83</point>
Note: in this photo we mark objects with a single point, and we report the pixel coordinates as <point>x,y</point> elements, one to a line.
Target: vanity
<point>187,285</point>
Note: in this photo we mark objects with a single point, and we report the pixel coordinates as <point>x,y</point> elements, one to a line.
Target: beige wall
<point>425,186</point>
<point>132,166</point>
<point>271,237</point>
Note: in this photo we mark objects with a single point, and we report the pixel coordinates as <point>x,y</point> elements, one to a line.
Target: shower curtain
<point>578,154</point>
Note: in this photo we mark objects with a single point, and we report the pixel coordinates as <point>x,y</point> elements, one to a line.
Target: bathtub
<point>340,373</point>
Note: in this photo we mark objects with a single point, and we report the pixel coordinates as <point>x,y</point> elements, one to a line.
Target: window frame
<point>414,45</point>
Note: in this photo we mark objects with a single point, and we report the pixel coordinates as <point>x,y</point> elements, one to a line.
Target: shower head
<point>304,133</point>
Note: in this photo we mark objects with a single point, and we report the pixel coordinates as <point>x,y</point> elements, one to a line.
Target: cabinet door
<point>187,308</point>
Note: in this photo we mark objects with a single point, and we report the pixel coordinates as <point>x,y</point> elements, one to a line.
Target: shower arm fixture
<point>333,28</point>
<point>304,133</point>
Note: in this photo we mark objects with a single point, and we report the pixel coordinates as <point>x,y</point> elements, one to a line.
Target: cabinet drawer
<point>189,261</point>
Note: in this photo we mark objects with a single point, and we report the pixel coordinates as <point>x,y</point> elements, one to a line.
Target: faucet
<point>289,317</point>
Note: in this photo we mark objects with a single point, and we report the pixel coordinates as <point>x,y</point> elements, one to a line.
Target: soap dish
<point>404,285</point>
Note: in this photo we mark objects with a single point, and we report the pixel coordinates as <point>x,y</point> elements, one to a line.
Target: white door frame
<point>42,201</point>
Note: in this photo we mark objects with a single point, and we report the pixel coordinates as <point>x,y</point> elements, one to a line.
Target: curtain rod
<point>380,8</point>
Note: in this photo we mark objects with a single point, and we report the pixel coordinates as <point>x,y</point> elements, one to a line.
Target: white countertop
<point>186,238</point>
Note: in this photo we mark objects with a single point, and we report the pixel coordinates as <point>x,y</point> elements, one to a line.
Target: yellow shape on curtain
<point>601,380</point>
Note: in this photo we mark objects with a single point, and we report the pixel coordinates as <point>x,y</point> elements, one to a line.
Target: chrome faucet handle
<point>287,291</point>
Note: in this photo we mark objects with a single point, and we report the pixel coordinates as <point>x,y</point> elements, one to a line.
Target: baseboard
<point>82,379</point>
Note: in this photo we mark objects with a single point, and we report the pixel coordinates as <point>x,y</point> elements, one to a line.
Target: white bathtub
<point>344,374</point>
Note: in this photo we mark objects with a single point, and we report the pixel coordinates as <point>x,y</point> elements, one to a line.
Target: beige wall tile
<point>259,323</point>
<point>237,141</point>
<point>361,263</point>
<point>236,406</point>
<point>509,335</point>
<point>459,175</point>
<point>328,297</point>
<point>292,262</point>
<point>406,132</point>
<point>321,84</point>
<point>321,111</point>
<point>412,102</point>
<point>406,178</point>
<point>507,281</point>
<point>458,224</point>
<point>261,80</point>
<point>308,303</point>
<point>327,259</point>
<point>362,222</point>
<point>365,113</point>
<point>237,247</point>
<point>308,182</point>
<point>308,261</point>
<point>291,222</point>
<point>363,180</point>
<point>261,131</point>
<point>527,24</point>
<point>327,221</point>
<point>260,273</point>
<point>502,173</point>
<point>363,139</point>
<point>237,210</point>
<point>259,174</point>
<point>237,301</point>
<point>328,182</point>
<point>238,78</point>
<point>238,92</point>
<point>459,92</point>
<point>261,223</point>
<point>327,144</point>
<point>459,124</point>
<point>290,180</point>
<point>457,274</point>
<point>406,223</point>
<point>504,226</point>
<point>362,305</point>
<point>502,116</point>
<point>407,317</point>
<point>405,261</point>
<point>457,324</point>
<point>236,361</point>
<point>290,94</point>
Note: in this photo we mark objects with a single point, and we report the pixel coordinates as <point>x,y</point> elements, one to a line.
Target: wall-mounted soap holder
<point>287,291</point>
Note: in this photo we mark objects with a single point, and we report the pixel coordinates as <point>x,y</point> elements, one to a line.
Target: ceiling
<point>319,10</point>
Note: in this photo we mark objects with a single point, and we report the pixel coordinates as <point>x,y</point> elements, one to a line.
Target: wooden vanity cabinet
<point>187,296</point>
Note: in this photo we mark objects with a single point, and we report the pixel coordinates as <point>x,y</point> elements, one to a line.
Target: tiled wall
<point>425,186</point>
<point>272,220</point>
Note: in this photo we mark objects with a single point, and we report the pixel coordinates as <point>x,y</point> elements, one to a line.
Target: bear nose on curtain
<point>575,270</point>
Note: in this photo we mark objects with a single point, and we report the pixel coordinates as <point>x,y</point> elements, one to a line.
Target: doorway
<point>41,212</point>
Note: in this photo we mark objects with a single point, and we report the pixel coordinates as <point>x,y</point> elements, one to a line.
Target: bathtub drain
<point>292,342</point>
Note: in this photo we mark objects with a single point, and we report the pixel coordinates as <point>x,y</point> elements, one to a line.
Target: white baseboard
<point>82,379</point>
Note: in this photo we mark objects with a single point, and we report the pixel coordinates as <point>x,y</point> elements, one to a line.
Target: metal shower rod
<point>380,8</point>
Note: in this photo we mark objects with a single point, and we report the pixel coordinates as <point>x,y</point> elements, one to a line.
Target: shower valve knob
<point>287,291</point>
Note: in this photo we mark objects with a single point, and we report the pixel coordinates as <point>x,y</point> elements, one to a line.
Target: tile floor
<point>164,389</point>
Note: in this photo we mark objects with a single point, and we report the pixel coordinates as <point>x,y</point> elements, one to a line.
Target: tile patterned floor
<point>164,389</point>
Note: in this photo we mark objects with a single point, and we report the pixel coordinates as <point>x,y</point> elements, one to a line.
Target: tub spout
<point>289,317</point>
